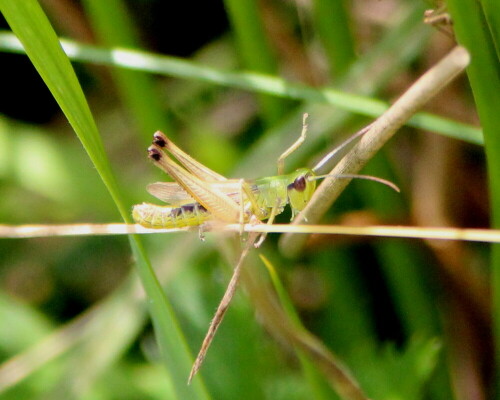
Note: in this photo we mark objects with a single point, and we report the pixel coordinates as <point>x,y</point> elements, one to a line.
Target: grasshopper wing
<point>172,193</point>
<point>214,200</point>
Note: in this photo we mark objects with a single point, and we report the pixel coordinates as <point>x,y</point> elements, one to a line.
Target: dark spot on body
<point>175,212</point>
<point>193,207</point>
<point>187,208</point>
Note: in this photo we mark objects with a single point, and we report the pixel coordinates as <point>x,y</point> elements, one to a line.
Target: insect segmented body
<point>161,217</point>
<point>201,194</point>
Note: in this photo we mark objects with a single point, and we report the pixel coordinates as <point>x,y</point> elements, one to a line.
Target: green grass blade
<point>33,29</point>
<point>179,68</point>
<point>28,22</point>
<point>484,76</point>
<point>318,391</point>
<point>492,13</point>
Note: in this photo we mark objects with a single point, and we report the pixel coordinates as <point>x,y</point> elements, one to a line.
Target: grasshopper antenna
<point>341,146</point>
<point>336,150</point>
<point>383,181</point>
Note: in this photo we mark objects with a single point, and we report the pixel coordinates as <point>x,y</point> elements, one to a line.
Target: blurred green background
<point>410,319</point>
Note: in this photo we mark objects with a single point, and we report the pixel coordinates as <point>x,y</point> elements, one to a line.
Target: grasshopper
<point>200,195</point>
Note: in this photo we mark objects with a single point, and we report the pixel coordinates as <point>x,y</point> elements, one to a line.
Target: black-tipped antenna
<point>354,176</point>
<point>342,145</point>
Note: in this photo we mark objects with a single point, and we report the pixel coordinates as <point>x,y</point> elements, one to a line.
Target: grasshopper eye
<point>299,184</point>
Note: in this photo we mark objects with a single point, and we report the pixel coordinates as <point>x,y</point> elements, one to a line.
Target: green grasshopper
<point>200,195</point>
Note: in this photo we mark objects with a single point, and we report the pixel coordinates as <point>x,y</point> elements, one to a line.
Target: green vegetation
<point>406,319</point>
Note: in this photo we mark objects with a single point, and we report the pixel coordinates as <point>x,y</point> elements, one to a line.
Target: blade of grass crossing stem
<point>484,73</point>
<point>29,23</point>
<point>318,390</point>
<point>175,352</point>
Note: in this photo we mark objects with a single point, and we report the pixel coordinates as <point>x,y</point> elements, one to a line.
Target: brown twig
<point>222,308</point>
<point>426,87</point>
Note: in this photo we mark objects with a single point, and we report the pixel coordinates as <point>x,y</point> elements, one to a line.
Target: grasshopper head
<point>300,189</point>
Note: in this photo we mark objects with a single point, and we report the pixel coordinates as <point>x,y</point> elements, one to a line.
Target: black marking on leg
<point>154,153</point>
<point>159,139</point>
